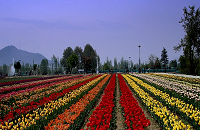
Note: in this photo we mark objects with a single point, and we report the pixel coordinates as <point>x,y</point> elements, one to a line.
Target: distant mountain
<point>9,52</point>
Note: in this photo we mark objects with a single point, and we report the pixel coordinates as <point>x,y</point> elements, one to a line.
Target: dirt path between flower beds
<point>119,116</point>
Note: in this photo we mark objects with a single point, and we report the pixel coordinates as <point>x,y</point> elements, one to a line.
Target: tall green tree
<point>17,66</point>
<point>54,63</point>
<point>152,60</point>
<point>34,68</point>
<point>89,58</point>
<point>191,41</point>
<point>44,67</point>
<point>164,58</point>
<point>131,64</point>
<point>72,61</point>
<point>122,64</point>
<point>109,63</point>
<point>115,64</point>
<point>173,63</point>
<point>157,64</point>
<point>106,66</point>
<point>67,53</point>
<point>5,69</point>
<point>79,52</point>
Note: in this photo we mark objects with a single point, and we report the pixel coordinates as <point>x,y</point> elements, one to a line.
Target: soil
<point>120,119</point>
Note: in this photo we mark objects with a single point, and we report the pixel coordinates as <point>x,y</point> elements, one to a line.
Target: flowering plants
<point>188,111</point>
<point>25,80</point>
<point>166,119</point>
<point>102,115</point>
<point>33,105</point>
<point>134,115</point>
<point>71,118</point>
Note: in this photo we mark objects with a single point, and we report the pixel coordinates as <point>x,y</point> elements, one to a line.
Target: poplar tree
<point>164,58</point>
<point>191,41</point>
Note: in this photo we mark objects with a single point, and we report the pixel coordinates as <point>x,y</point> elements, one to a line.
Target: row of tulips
<point>35,104</point>
<point>181,78</point>
<point>25,80</point>
<point>54,108</point>
<point>17,95</point>
<point>189,87</point>
<point>35,119</point>
<point>102,115</point>
<point>178,81</point>
<point>166,119</point>
<point>70,116</point>
<point>188,94</point>
<point>16,87</point>
<point>41,91</point>
<point>188,111</point>
<point>134,115</point>
<point>37,93</point>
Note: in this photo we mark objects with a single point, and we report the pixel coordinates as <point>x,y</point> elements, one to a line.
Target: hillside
<point>9,52</point>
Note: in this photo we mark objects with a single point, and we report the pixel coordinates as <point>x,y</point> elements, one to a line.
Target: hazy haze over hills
<point>9,52</point>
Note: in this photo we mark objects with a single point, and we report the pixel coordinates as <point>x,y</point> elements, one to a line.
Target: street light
<point>139,58</point>
<point>129,64</point>
<point>97,66</point>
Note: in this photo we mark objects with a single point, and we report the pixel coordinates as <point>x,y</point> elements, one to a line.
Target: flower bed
<point>192,91</point>
<point>165,118</point>
<point>37,93</point>
<point>69,117</point>
<point>102,115</point>
<point>4,91</point>
<point>188,111</point>
<point>25,80</point>
<point>45,100</point>
<point>135,118</point>
<point>186,78</point>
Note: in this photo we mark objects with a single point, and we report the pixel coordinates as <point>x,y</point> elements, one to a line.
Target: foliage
<point>17,66</point>
<point>157,64</point>
<point>5,69</point>
<point>164,58</point>
<point>34,67</point>
<point>191,41</point>
<point>67,53</point>
<point>152,60</point>
<point>109,64</point>
<point>79,52</point>
<point>105,66</point>
<point>72,61</point>
<point>89,58</point>
<point>44,66</point>
<point>115,64</point>
<point>54,63</point>
<point>173,63</point>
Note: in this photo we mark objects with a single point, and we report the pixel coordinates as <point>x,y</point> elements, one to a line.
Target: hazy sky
<point>114,28</point>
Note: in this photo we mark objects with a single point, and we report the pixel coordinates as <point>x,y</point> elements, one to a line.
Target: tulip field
<point>88,102</point>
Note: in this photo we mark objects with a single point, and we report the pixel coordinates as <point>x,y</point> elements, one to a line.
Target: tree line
<point>80,59</point>
<point>153,62</point>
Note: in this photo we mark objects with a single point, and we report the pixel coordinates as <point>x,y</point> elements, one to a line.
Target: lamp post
<point>97,66</point>
<point>129,64</point>
<point>139,58</point>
